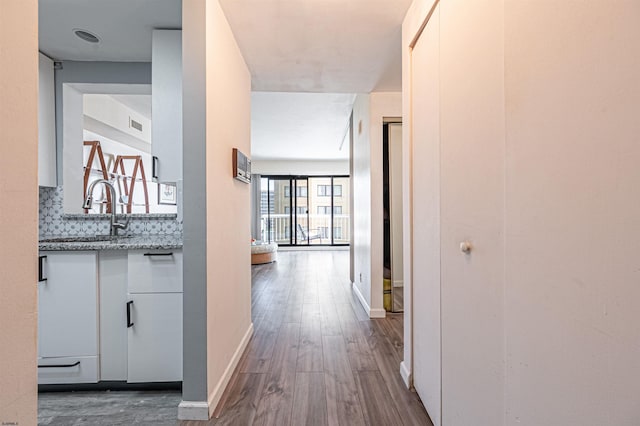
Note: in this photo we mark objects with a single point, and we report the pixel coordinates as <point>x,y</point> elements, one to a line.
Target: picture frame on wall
<point>167,193</point>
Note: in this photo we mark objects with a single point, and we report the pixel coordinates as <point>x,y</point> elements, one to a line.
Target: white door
<point>425,120</point>
<point>154,337</point>
<point>472,144</point>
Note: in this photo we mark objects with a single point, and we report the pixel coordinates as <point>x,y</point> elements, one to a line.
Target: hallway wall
<point>228,126</point>
<point>573,212</point>
<point>19,213</point>
<point>217,234</point>
<point>369,111</point>
<point>538,169</point>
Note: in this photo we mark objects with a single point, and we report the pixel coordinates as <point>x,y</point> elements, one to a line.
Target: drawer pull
<point>158,254</point>
<point>129,322</point>
<point>60,365</point>
<point>41,277</point>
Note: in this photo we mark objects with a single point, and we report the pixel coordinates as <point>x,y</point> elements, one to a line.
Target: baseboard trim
<point>406,375</point>
<point>193,410</point>
<point>377,313</point>
<point>216,395</point>
<point>372,313</point>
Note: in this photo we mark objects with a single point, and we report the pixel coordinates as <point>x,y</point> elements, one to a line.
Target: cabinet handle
<point>154,167</point>
<point>158,254</point>
<point>129,322</point>
<point>41,278</point>
<point>60,365</point>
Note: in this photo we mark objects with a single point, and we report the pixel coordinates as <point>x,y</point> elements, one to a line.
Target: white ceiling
<point>301,126</point>
<point>124,27</point>
<point>320,45</point>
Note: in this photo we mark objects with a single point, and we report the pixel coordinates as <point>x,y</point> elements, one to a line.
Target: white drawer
<point>155,271</point>
<point>68,370</point>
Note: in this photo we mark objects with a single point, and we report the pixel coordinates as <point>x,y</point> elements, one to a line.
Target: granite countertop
<point>59,243</point>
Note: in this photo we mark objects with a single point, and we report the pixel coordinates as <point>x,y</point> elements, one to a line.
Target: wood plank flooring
<point>315,357</point>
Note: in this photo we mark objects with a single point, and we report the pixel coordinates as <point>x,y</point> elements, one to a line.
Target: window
<point>337,232</point>
<point>327,210</point>
<point>324,190</point>
<point>317,203</point>
<point>324,231</point>
<point>299,210</point>
<point>301,191</point>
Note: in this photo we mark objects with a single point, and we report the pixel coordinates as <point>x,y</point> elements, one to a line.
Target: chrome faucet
<point>89,201</point>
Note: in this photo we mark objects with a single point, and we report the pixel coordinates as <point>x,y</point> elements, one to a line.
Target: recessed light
<point>86,35</point>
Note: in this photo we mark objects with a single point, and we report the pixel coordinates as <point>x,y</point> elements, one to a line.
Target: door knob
<point>465,247</point>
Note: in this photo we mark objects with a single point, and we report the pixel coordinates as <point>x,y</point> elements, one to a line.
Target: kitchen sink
<point>89,239</point>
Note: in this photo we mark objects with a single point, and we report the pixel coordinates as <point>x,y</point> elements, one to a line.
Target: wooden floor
<point>315,357</point>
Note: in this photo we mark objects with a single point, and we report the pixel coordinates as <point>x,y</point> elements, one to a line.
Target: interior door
<point>472,182</point>
<point>425,122</point>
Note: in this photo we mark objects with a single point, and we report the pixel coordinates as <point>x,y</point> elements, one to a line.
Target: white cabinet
<point>46,123</point>
<point>166,84</point>
<point>155,337</point>
<point>154,316</point>
<point>67,318</point>
<point>155,271</point>
<point>112,316</point>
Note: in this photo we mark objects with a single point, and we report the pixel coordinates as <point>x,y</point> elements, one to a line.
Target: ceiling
<point>322,48</point>
<point>301,126</point>
<point>123,26</point>
<point>320,45</point>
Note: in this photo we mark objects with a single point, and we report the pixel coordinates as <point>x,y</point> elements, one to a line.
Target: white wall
<point>300,167</point>
<point>538,169</point>
<point>228,124</point>
<point>369,112</point>
<point>73,124</point>
<point>19,214</point>
<point>362,198</point>
<point>112,113</point>
<point>573,212</point>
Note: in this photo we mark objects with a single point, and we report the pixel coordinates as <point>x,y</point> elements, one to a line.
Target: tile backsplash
<point>53,221</point>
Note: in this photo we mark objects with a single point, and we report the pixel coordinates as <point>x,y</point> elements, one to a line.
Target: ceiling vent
<point>86,36</point>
